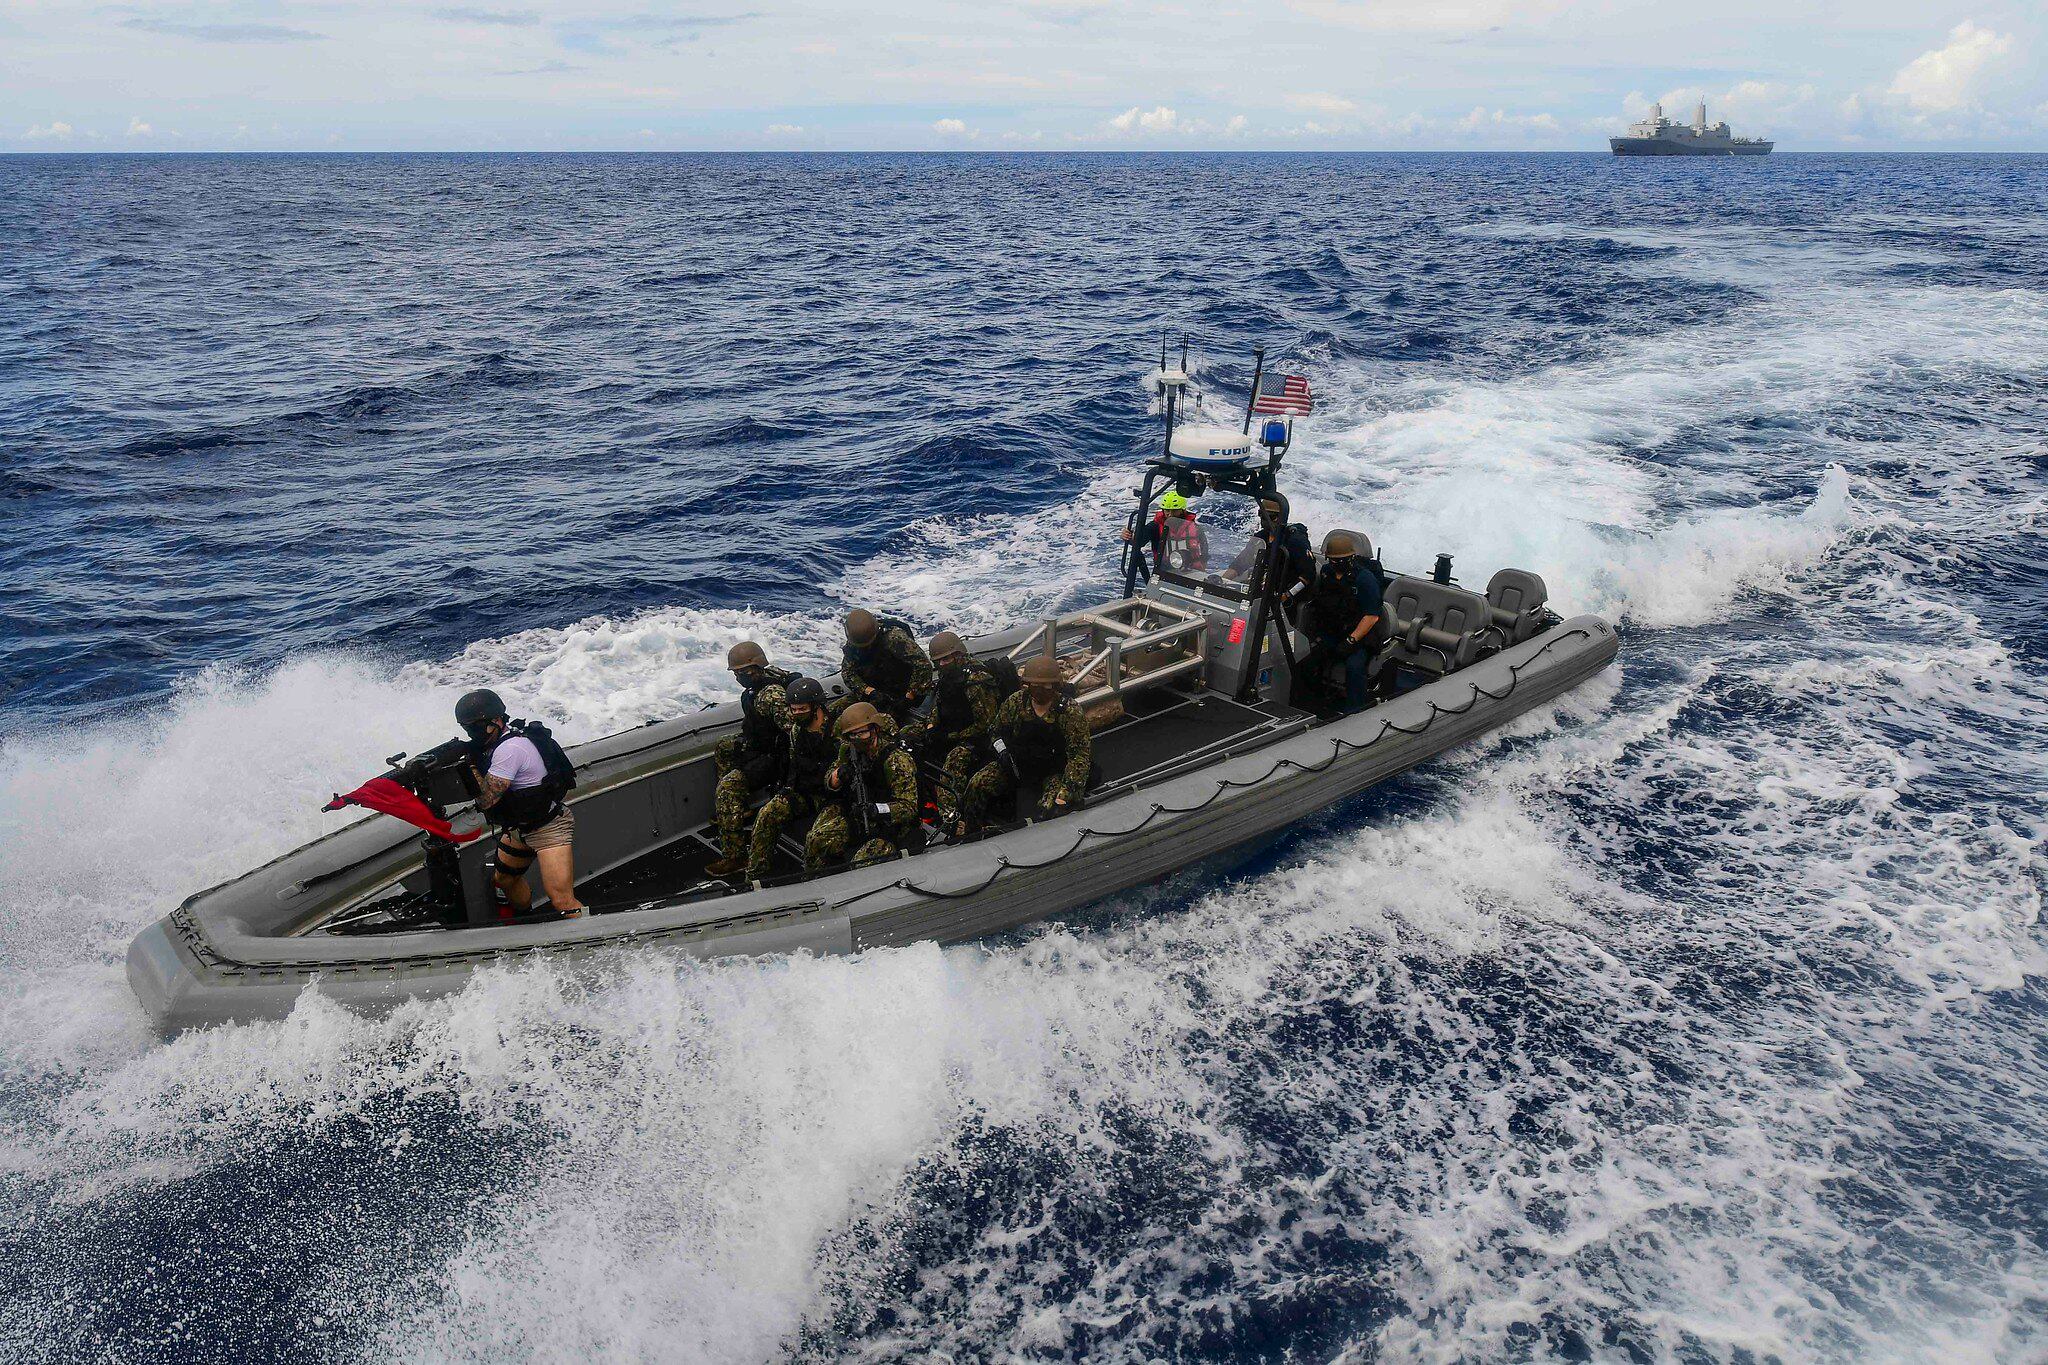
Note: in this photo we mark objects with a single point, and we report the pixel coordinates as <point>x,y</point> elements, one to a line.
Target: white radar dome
<point>1210,447</point>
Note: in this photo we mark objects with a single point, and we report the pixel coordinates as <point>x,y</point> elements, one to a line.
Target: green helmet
<point>858,716</point>
<point>1173,501</point>
<point>1041,671</point>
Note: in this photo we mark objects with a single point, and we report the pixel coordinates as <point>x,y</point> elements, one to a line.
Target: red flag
<point>381,793</point>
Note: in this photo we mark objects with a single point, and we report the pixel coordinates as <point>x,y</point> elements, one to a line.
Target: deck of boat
<point>1163,729</point>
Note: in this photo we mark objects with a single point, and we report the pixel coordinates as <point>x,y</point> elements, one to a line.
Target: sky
<point>1013,75</point>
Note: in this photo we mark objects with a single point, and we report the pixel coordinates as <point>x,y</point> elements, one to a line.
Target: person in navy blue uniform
<point>1345,618</point>
<point>1290,559</point>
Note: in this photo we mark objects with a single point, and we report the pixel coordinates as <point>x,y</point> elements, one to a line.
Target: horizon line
<point>987,151</point>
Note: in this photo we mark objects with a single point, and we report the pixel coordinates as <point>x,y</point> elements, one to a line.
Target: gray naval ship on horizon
<point>1659,136</point>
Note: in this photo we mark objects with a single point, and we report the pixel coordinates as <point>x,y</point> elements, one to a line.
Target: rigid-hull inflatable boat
<point>1200,750</point>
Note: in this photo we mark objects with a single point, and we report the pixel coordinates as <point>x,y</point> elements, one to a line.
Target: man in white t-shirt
<point>532,818</point>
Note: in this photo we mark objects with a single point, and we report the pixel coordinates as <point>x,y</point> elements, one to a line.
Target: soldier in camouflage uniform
<point>813,751</point>
<point>883,665</point>
<point>871,765</point>
<point>955,737</point>
<point>1040,736</point>
<point>753,760</point>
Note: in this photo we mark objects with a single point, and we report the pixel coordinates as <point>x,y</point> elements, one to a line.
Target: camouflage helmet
<point>862,627</point>
<point>746,654</point>
<point>805,692</point>
<point>1339,545</point>
<point>946,644</point>
<point>1042,671</point>
<point>858,716</point>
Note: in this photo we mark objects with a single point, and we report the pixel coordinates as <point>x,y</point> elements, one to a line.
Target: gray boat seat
<point>1358,538</point>
<point>1436,628</point>
<point>1516,598</point>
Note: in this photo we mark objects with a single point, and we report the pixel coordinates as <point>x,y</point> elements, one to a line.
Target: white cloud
<point>1015,135</point>
<point>1343,73</point>
<point>783,129</point>
<point>1745,106</point>
<point>1157,120</point>
<point>1483,120</point>
<point>1953,75</point>
<point>1429,16</point>
<point>1309,102</point>
<point>137,128</point>
<point>56,130</point>
<point>1370,123</point>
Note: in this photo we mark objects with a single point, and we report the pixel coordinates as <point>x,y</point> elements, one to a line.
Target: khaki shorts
<point>559,832</point>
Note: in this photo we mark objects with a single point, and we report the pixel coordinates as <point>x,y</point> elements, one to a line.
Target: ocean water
<point>1699,1018</point>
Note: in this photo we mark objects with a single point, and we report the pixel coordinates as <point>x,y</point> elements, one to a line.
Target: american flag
<point>1282,394</point>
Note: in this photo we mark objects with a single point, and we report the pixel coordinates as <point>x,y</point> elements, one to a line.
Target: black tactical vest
<point>811,754</point>
<point>953,710</point>
<point>1333,606</point>
<point>763,735</point>
<point>529,808</point>
<point>1038,745</point>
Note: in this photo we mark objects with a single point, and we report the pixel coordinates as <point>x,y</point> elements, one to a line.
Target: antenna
<point>1258,373</point>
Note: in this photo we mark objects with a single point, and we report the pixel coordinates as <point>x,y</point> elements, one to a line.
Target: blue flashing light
<point>1274,433</point>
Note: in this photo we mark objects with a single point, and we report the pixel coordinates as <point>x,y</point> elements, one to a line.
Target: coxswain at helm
<point>1290,559</point>
<point>883,665</point>
<point>878,812</point>
<point>1345,617</point>
<point>1041,738</point>
<point>752,761</point>
<point>1179,542</point>
<point>522,780</point>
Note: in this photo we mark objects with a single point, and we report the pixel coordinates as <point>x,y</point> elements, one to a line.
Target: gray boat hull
<point>243,950</point>
<point>1657,146</point>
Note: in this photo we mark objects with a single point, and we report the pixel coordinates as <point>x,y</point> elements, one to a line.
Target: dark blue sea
<point>1698,1018</point>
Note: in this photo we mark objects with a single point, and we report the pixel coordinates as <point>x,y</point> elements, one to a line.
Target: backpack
<point>1002,671</point>
<point>561,778</point>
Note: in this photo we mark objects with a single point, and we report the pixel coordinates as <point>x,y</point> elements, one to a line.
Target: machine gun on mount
<point>419,790</point>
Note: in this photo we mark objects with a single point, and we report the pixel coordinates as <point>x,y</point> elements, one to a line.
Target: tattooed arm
<point>489,788</point>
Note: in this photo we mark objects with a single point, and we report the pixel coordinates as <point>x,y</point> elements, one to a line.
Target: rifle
<point>1004,756</point>
<point>866,810</point>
